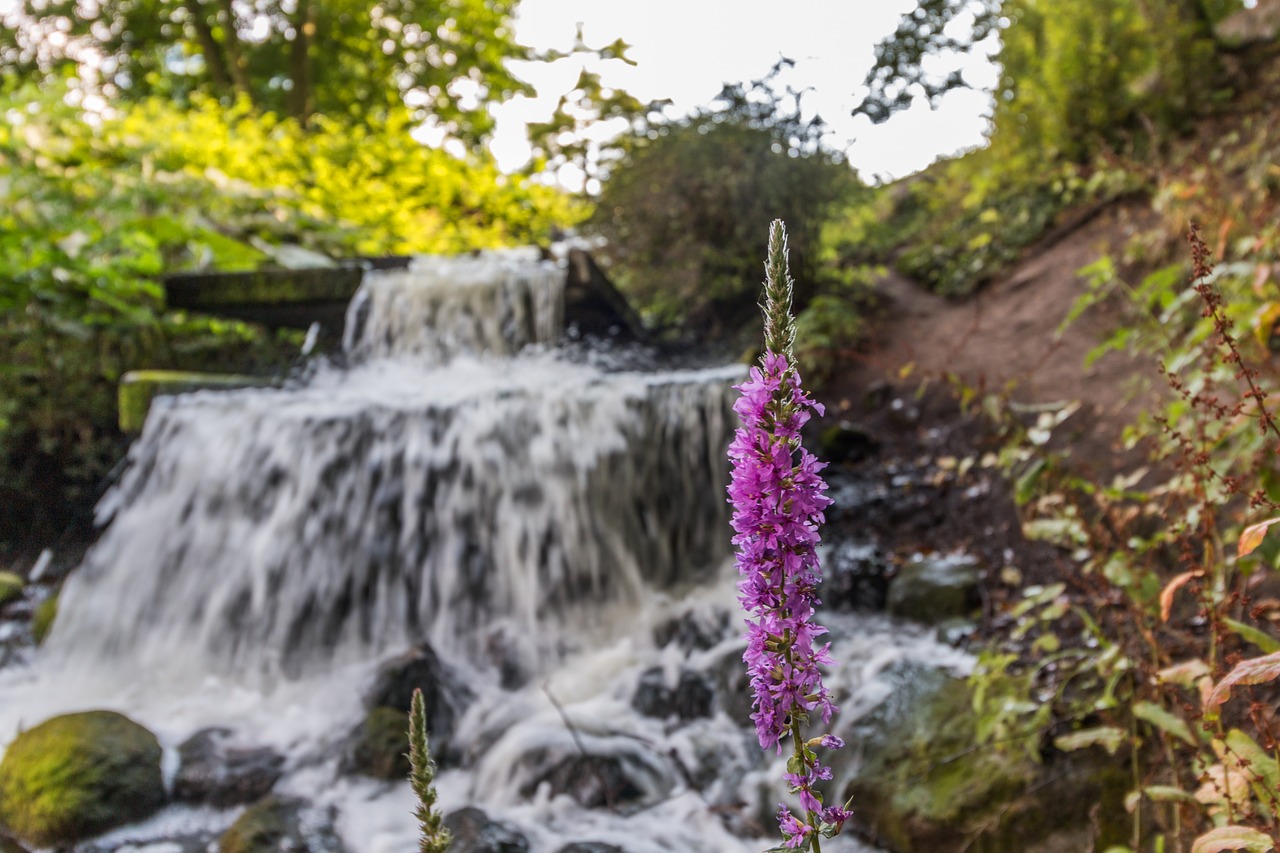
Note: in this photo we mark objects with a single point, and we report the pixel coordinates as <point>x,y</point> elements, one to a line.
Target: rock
<point>276,824</point>
<point>474,832</point>
<point>692,697</point>
<point>10,587</point>
<point>379,747</point>
<point>444,694</point>
<point>855,577</point>
<point>693,630</point>
<point>42,619</point>
<point>590,847</point>
<point>924,783</point>
<point>608,775</point>
<point>733,685</point>
<point>935,588</point>
<point>847,443</point>
<point>210,771</point>
<point>79,775</point>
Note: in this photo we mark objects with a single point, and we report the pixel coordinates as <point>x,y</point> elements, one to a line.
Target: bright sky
<point>687,49</point>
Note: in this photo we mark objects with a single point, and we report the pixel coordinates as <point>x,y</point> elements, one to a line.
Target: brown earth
<point>1010,337</point>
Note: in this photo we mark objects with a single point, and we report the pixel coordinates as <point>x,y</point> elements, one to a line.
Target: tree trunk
<point>213,58</point>
<point>304,30</point>
<point>235,53</point>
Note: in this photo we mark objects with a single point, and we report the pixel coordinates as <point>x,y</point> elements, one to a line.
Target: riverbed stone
<point>212,771</point>
<point>10,587</point>
<point>278,824</point>
<point>590,847</point>
<point>445,697</point>
<point>692,696</point>
<point>78,775</point>
<point>474,831</point>
<point>847,443</point>
<point>932,589</point>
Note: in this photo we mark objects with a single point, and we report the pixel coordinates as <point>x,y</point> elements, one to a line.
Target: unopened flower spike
<point>778,499</point>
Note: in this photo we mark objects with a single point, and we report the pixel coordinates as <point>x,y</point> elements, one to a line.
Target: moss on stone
<point>139,387</point>
<point>78,775</point>
<point>379,746</point>
<point>10,587</point>
<point>42,619</point>
<point>261,828</point>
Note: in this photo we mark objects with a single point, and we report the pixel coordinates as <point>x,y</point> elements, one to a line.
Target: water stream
<point>555,529</point>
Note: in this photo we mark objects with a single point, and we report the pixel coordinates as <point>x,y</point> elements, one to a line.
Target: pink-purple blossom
<point>778,497</point>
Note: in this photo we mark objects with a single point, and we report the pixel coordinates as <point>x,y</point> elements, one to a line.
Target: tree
<point>1074,75</point>
<point>686,208</point>
<point>345,58</point>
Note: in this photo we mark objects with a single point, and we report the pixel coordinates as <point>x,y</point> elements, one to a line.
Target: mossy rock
<point>42,619</point>
<point>379,747</point>
<point>276,824</point>
<point>925,783</point>
<point>10,587</point>
<point>79,775</point>
<point>139,387</point>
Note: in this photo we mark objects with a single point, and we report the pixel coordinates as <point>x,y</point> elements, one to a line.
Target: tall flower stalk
<point>778,498</point>
<point>434,834</point>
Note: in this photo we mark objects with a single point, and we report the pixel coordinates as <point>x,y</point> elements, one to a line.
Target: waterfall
<point>460,481</point>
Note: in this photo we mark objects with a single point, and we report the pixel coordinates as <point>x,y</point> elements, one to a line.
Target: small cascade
<point>269,532</point>
<point>495,303</point>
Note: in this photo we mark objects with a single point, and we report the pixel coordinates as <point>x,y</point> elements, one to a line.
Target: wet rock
<point>590,847</point>
<point>276,824</point>
<point>855,577</point>
<point>10,587</point>
<point>847,443</point>
<point>378,747</point>
<point>733,685</point>
<point>595,771</point>
<point>692,697</point>
<point>444,694</point>
<point>934,589</point>
<point>693,630</point>
<point>78,775</point>
<point>474,831</point>
<point>211,771</point>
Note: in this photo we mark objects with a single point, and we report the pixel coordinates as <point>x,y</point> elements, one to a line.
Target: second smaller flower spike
<point>778,497</point>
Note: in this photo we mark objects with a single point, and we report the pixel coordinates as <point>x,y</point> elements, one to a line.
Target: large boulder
<point>473,831</point>
<point>79,775</point>
<point>922,781</point>
<point>690,698</point>
<point>212,770</point>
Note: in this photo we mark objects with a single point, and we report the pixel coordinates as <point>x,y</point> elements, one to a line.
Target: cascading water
<point>519,511</point>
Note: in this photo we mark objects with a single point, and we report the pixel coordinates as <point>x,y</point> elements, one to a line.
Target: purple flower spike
<point>778,498</point>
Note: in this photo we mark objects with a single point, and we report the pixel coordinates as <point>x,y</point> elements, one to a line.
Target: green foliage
<point>42,619</point>
<point>352,60</point>
<point>689,205</point>
<point>91,212</point>
<point>78,775</point>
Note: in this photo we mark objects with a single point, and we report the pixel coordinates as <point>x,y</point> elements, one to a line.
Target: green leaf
<point>1232,838</point>
<point>1168,794</point>
<point>1165,721</point>
<point>1258,637</point>
<point>1109,738</point>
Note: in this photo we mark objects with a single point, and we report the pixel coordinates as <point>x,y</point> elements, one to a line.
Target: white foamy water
<point>266,549</point>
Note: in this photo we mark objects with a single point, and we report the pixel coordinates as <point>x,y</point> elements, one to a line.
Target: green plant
<point>435,836</point>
